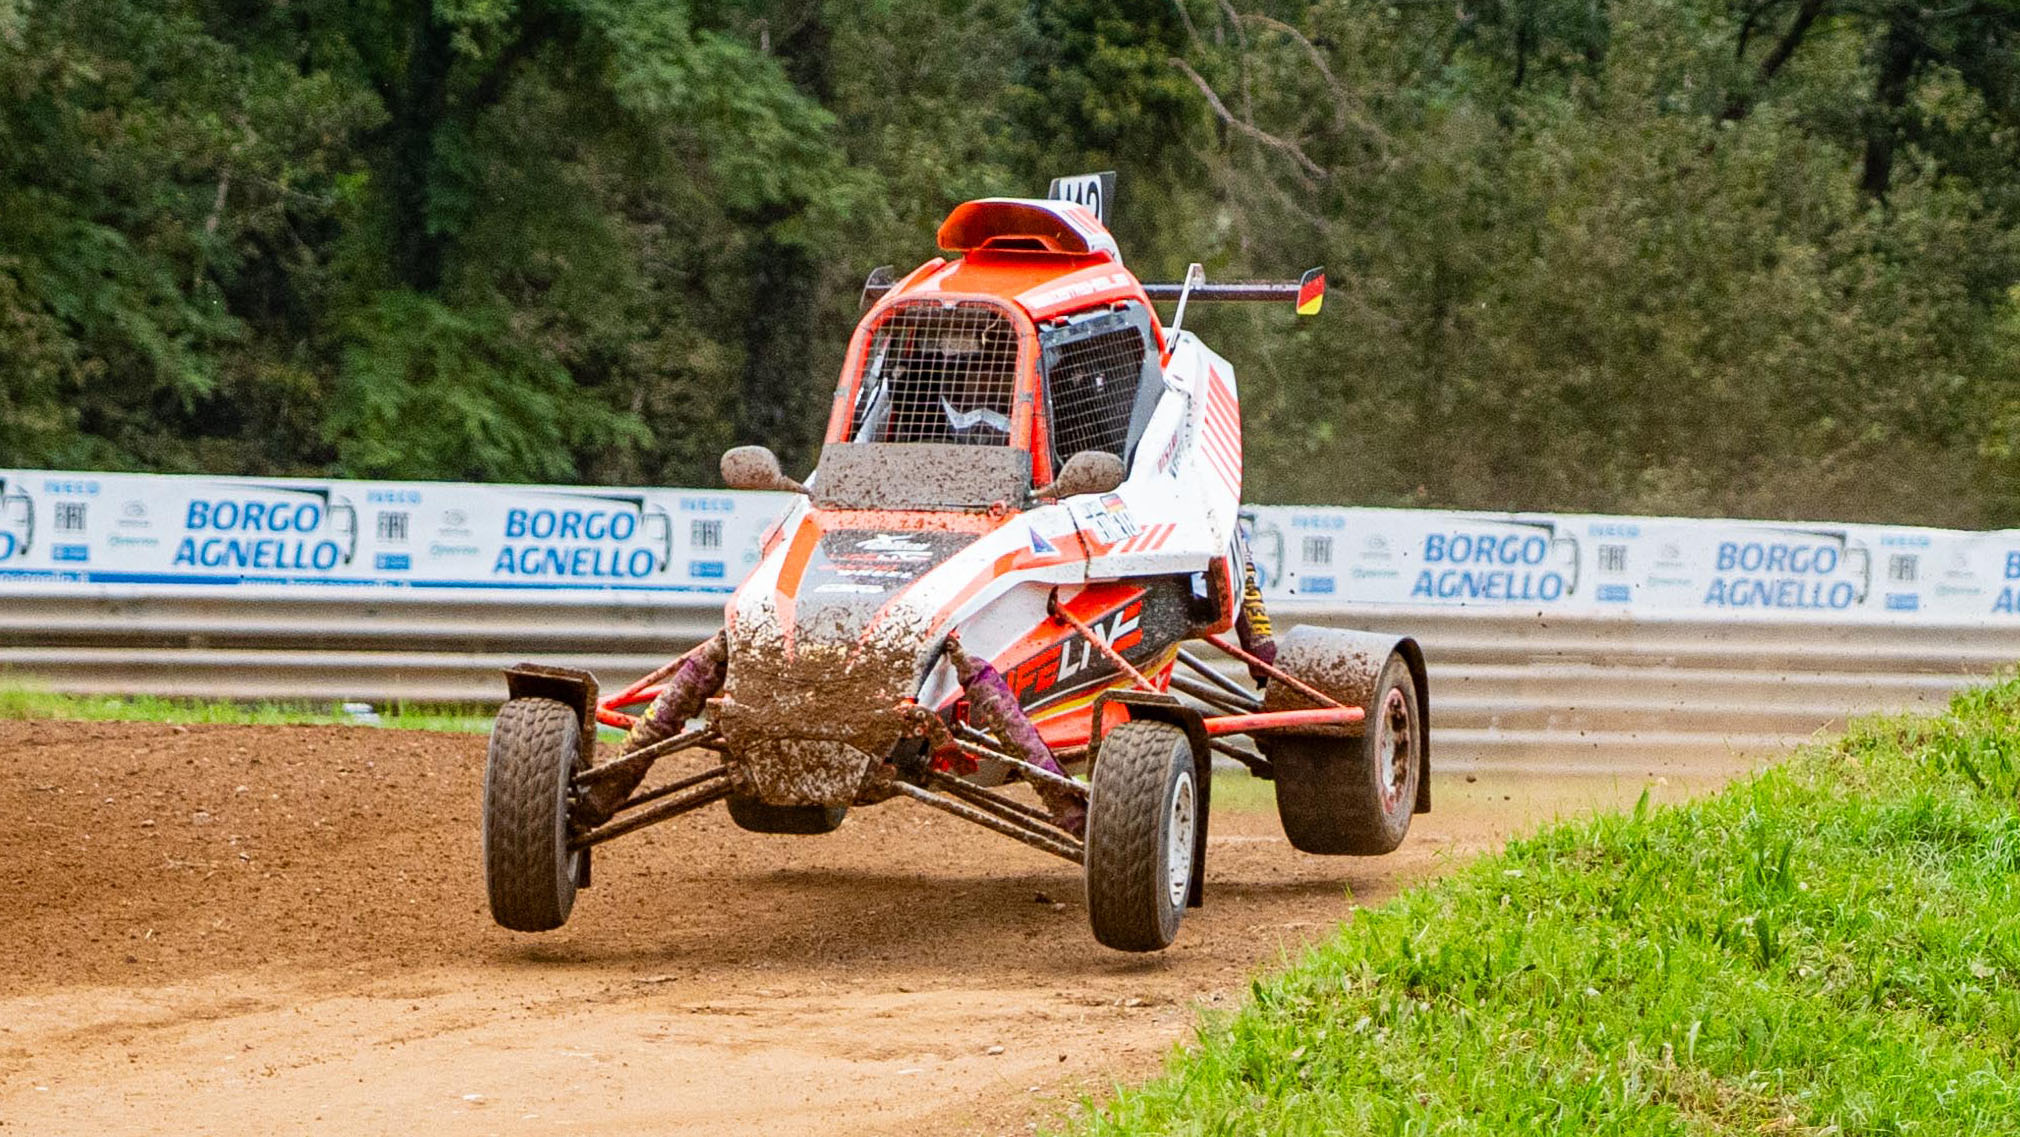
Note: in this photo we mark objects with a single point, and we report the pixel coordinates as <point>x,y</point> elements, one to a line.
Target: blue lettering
<point>1754,556</point>
<point>587,562</point>
<point>1783,592</point>
<point>226,516</point>
<point>228,552</point>
<point>1461,584</point>
<point>2005,601</point>
<point>569,525</point>
<point>2013,565</point>
<point>1486,548</point>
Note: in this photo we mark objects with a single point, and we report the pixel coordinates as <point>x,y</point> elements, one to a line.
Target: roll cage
<point>933,384</point>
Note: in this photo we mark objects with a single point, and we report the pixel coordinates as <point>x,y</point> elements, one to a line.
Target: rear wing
<point>1307,293</point>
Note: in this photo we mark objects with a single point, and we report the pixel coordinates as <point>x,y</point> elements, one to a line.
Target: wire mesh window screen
<point>1091,390</point>
<point>939,374</point>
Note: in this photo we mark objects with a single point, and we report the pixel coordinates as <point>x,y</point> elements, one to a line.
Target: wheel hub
<point>1395,745</point>
<point>1179,829</point>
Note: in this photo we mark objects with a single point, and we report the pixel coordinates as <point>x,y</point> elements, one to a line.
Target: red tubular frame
<point>1277,720</point>
<point>643,691</point>
<point>1330,712</point>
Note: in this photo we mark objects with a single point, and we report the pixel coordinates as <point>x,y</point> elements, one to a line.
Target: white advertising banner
<point>1651,566</point>
<point>139,532</point>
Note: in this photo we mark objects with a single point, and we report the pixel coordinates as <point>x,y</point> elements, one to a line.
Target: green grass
<point>20,701</point>
<point>1830,947</point>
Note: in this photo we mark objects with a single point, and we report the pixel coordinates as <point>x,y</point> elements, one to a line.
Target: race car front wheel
<point>528,870</point>
<point>1143,813</point>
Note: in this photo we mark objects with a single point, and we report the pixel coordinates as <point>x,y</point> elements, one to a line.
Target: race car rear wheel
<point>1354,796</point>
<point>806,820</point>
<point>1143,812</point>
<point>528,870</point>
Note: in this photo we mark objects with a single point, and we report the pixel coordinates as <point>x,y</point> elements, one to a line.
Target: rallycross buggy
<point>1026,507</point>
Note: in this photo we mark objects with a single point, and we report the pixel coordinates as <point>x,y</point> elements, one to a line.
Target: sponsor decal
<point>1780,574</point>
<point>1040,546</point>
<point>1504,565</point>
<point>1037,300</point>
<point>297,532</point>
<point>2007,603</point>
<point>1073,661</point>
<point>17,521</point>
<point>588,538</point>
<point>897,547</point>
<point>1107,516</point>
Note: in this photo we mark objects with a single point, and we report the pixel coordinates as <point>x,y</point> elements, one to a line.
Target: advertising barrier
<point>135,531</point>
<point>1639,566</point>
<point>104,534</point>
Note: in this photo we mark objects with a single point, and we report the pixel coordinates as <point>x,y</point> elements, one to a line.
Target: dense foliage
<point>1753,256</point>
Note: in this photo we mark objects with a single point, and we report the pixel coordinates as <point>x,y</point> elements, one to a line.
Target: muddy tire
<point>805,820</point>
<point>528,870</point>
<point>1142,812</point>
<point>1354,796</point>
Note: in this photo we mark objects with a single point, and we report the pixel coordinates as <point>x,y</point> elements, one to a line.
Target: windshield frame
<point>1024,394</point>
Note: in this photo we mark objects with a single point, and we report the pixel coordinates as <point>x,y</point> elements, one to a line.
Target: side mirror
<point>755,468</point>
<point>1090,471</point>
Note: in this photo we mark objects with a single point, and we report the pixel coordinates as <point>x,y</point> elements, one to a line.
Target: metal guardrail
<point>1511,690</point>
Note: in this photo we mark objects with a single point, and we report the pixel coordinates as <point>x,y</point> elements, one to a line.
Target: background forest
<point>1752,257</point>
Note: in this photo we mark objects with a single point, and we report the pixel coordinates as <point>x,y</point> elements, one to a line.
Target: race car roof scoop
<point>1026,225</point>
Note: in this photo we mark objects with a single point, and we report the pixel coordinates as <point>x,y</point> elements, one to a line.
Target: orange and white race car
<point>1026,508</point>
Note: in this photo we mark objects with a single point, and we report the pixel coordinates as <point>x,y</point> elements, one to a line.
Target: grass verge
<point>1830,947</point>
<point>20,701</point>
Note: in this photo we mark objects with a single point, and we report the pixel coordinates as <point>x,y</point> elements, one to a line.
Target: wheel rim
<point>1178,836</point>
<point>1397,746</point>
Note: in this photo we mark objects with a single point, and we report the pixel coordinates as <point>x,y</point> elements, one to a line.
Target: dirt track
<point>282,930</point>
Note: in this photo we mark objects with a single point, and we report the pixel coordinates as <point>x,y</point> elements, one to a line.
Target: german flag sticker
<point>1312,292</point>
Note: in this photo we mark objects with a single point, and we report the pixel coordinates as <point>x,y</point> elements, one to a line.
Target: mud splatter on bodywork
<point>697,676</point>
<point>812,703</point>
<point>991,701</point>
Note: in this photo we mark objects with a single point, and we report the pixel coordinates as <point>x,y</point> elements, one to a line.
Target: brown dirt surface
<point>283,930</point>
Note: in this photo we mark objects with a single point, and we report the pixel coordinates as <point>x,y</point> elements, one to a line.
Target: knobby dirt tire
<point>805,820</point>
<point>1139,772</point>
<point>1354,796</point>
<point>528,870</point>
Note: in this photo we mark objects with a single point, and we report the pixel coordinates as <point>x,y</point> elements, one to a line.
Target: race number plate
<point>1091,190</point>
